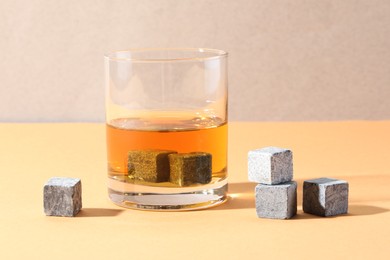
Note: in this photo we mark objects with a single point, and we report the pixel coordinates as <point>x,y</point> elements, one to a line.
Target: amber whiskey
<point>206,135</point>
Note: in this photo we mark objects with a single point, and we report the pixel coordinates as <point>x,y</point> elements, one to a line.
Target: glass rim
<point>213,54</point>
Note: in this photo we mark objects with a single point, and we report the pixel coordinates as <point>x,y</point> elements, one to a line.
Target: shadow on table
<point>99,212</point>
<point>241,196</point>
<point>353,211</point>
<point>364,210</point>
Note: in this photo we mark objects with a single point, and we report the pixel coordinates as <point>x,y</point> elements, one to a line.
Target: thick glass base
<point>167,199</point>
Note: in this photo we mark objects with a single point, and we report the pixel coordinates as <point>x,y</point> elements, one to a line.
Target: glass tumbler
<point>166,125</point>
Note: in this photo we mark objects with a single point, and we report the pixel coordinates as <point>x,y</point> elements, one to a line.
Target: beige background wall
<point>289,60</point>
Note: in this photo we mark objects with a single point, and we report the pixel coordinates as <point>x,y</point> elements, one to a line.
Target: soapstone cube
<point>190,168</point>
<point>325,197</point>
<point>276,201</point>
<point>270,165</point>
<point>62,197</point>
<point>148,165</point>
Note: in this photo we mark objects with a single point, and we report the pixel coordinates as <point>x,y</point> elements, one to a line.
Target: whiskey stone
<point>148,165</point>
<point>270,165</point>
<point>62,197</point>
<point>325,197</point>
<point>276,201</point>
<point>190,168</point>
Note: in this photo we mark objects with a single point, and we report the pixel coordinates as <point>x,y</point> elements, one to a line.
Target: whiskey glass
<point>166,126</point>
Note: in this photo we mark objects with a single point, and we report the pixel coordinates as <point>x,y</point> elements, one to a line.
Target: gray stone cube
<point>325,197</point>
<point>62,197</point>
<point>190,168</point>
<point>148,165</point>
<point>276,201</point>
<point>270,165</point>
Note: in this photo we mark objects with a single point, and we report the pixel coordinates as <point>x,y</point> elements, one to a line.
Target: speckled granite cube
<point>148,165</point>
<point>325,197</point>
<point>270,165</point>
<point>190,168</point>
<point>276,201</point>
<point>62,197</point>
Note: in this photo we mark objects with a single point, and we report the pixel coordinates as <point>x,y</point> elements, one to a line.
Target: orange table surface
<point>358,152</point>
